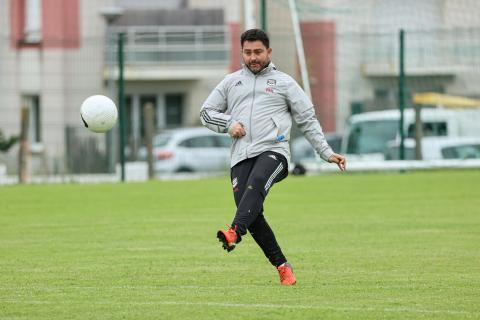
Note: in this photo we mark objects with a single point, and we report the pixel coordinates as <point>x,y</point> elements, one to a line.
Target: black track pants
<point>251,181</point>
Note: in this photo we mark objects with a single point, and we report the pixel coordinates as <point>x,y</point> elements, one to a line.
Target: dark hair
<point>254,35</point>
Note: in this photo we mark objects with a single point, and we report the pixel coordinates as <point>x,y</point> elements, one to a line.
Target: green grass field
<point>364,246</point>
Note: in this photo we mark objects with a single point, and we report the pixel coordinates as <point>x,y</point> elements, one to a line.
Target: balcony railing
<point>172,45</point>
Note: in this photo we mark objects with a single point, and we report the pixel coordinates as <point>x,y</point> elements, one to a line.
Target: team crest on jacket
<point>271,82</point>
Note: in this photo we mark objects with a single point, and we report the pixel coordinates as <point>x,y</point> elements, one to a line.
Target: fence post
<point>401,93</point>
<point>148,117</point>
<point>263,8</point>
<point>418,132</point>
<point>24,152</point>
<point>121,103</point>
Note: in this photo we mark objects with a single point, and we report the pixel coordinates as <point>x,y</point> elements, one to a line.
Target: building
<point>53,56</point>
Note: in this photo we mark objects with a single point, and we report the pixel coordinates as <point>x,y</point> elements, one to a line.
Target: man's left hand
<point>340,160</point>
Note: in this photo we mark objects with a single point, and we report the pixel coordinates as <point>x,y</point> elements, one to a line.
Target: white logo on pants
<point>234,182</point>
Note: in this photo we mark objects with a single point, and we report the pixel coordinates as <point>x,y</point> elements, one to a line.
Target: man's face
<point>255,55</point>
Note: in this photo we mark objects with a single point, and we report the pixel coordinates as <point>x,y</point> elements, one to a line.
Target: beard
<point>257,66</point>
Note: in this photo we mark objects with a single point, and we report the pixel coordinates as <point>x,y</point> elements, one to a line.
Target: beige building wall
<point>465,14</point>
<point>62,78</point>
<point>232,8</point>
<point>9,102</point>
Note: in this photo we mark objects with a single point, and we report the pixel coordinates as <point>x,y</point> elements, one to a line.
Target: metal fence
<point>84,153</point>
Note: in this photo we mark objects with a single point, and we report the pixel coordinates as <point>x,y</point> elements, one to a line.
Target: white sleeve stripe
<point>217,121</point>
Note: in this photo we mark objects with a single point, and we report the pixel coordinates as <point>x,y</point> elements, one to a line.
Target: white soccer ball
<point>99,113</point>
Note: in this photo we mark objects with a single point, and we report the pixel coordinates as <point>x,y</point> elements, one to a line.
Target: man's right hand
<point>340,160</point>
<point>237,130</point>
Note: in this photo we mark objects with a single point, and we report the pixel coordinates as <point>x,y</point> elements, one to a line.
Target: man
<point>255,105</point>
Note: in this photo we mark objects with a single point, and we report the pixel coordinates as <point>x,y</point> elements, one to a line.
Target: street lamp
<point>111,13</point>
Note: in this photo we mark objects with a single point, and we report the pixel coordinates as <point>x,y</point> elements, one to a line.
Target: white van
<point>366,135</point>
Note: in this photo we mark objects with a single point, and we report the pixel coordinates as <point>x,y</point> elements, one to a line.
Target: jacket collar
<point>265,70</point>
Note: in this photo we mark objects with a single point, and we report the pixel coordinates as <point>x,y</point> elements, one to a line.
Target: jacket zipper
<point>251,108</point>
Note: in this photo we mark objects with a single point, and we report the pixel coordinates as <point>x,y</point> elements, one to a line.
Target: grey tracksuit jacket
<point>264,103</point>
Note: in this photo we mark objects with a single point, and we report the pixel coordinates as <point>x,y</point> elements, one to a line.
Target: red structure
<point>235,49</point>
<point>319,40</point>
<point>60,26</point>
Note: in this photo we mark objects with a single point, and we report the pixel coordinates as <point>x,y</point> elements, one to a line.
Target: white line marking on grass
<point>266,305</point>
<point>283,306</point>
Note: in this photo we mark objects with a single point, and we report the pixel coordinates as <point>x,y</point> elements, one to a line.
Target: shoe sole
<point>226,246</point>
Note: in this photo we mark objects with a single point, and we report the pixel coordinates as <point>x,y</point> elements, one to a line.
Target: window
<point>462,152</point>
<point>381,94</point>
<point>180,37</point>
<point>371,136</point>
<point>173,110</point>
<point>223,141</point>
<point>161,140</point>
<point>393,153</point>
<point>34,123</point>
<point>430,129</point>
<point>199,142</point>
<point>32,30</point>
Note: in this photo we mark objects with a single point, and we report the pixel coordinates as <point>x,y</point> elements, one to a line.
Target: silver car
<point>190,150</point>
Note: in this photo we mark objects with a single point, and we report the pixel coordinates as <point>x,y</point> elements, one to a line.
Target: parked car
<point>302,151</point>
<point>435,148</point>
<point>190,150</point>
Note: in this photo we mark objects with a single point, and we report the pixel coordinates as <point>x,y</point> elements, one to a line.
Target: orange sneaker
<point>285,271</point>
<point>228,238</point>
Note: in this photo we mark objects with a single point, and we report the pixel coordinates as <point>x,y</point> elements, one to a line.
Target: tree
<point>5,143</point>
